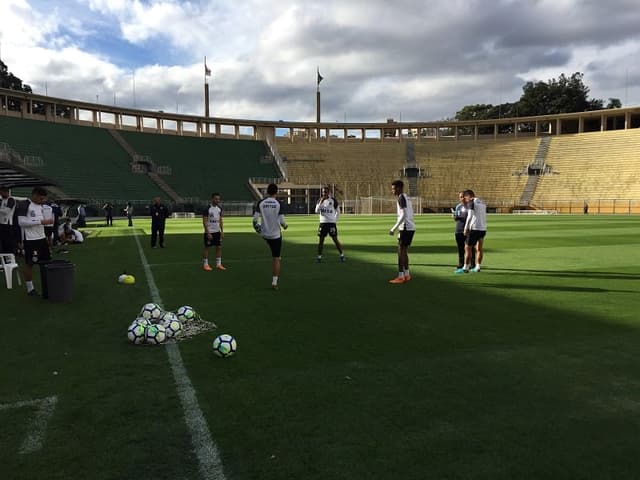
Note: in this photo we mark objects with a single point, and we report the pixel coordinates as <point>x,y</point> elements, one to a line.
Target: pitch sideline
<point>203,444</point>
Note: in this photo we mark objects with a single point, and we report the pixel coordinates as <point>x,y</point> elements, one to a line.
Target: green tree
<point>10,81</point>
<point>614,103</point>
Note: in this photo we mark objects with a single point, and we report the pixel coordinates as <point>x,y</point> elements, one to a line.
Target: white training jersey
<point>328,210</point>
<point>269,214</point>
<point>7,207</point>
<point>477,215</point>
<point>30,221</point>
<point>213,214</point>
<point>405,214</point>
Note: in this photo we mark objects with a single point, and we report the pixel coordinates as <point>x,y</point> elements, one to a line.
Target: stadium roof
<point>12,176</point>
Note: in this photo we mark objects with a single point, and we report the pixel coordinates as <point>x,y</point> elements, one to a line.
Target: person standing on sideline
<point>459,214</point>
<point>268,217</point>
<point>327,207</point>
<point>108,214</point>
<point>32,220</point>
<point>128,210</point>
<point>213,232</point>
<point>81,222</point>
<point>407,229</point>
<point>7,209</point>
<point>475,229</point>
<point>159,214</point>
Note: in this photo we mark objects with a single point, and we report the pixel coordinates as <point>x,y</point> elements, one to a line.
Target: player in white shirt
<point>328,208</point>
<point>268,217</point>
<point>213,232</point>
<point>406,227</point>
<point>32,220</point>
<point>475,229</point>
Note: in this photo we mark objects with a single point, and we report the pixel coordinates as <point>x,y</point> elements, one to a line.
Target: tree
<point>10,81</point>
<point>614,103</point>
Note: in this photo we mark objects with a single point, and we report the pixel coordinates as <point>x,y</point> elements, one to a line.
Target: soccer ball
<point>185,313</point>
<point>155,334</point>
<point>129,280</point>
<point>152,312</point>
<point>172,325</point>
<point>224,345</point>
<point>136,331</point>
<point>122,277</point>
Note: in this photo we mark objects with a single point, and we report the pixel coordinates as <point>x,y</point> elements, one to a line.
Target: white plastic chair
<point>8,264</point>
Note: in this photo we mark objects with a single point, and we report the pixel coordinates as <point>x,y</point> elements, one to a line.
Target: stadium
<point>525,370</point>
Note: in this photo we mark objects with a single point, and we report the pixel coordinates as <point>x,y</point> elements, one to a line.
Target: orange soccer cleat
<point>207,267</point>
<point>397,280</point>
<point>220,267</point>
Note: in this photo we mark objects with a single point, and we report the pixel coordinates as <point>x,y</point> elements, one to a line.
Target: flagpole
<point>319,79</point>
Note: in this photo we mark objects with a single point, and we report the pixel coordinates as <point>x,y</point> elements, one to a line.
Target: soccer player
<point>327,207</point>
<point>407,229</point>
<point>213,232</point>
<point>159,213</point>
<point>128,210</point>
<point>459,215</point>
<point>268,217</point>
<point>475,230</point>
<point>32,220</point>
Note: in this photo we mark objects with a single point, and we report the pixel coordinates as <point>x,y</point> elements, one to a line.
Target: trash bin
<point>56,278</point>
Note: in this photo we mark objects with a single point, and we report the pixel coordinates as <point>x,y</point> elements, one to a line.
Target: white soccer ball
<point>185,313</point>
<point>136,332</point>
<point>155,334</point>
<point>152,312</point>
<point>172,325</point>
<point>224,345</point>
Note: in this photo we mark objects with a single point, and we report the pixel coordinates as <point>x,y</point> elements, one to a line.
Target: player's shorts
<point>32,246</point>
<point>8,242</point>
<point>216,240</point>
<point>405,237</point>
<point>276,246</point>
<point>327,229</point>
<point>474,236</point>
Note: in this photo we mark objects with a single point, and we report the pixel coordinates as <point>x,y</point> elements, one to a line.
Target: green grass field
<point>527,370</point>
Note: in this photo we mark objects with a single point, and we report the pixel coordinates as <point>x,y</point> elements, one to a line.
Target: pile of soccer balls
<point>154,326</point>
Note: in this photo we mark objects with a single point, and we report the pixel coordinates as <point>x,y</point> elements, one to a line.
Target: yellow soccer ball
<point>129,280</point>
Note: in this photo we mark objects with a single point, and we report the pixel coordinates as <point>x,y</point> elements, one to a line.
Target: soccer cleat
<point>397,280</point>
<point>220,267</point>
<point>407,278</point>
<point>458,271</point>
<point>33,293</point>
<point>318,259</point>
<point>475,269</point>
<point>207,267</point>
<point>342,258</point>
<point>274,287</point>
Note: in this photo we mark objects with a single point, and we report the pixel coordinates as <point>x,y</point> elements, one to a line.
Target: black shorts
<point>405,237</point>
<point>40,246</point>
<point>327,229</point>
<point>474,236</point>
<point>276,246</point>
<point>8,242</point>
<point>216,240</point>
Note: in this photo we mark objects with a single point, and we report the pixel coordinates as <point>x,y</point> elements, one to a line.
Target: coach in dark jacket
<point>159,213</point>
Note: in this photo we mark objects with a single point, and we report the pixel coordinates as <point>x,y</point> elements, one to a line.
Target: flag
<point>320,77</point>
<point>207,70</point>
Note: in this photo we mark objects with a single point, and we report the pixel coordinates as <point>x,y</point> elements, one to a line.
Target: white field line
<point>37,429</point>
<point>204,446</point>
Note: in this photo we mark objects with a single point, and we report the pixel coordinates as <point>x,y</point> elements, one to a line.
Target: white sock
<point>29,286</point>
<point>218,260</point>
<point>400,274</point>
<point>274,280</point>
<point>406,273</point>
<point>466,266</point>
<point>205,261</point>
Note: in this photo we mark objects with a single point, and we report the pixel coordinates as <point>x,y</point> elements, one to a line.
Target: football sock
<point>466,266</point>
<point>400,274</point>
<point>274,281</point>
<point>406,272</point>
<point>29,286</point>
<point>218,260</point>
<point>205,261</point>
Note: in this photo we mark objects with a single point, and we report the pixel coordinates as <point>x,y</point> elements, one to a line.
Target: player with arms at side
<point>406,227</point>
<point>268,217</point>
<point>213,232</point>
<point>475,229</point>
<point>328,208</point>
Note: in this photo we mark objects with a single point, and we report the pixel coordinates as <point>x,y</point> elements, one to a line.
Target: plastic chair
<point>8,264</point>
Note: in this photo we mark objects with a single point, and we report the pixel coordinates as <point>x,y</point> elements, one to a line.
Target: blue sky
<point>419,60</point>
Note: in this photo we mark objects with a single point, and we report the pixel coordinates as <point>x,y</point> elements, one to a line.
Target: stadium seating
<point>85,162</point>
<point>200,166</point>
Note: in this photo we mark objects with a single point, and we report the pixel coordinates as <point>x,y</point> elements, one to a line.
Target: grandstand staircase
<point>164,186</point>
<point>534,170</point>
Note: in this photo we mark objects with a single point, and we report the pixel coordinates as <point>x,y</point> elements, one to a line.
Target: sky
<point>410,60</point>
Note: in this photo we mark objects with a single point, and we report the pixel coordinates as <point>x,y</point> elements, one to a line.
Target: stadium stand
<point>200,166</point>
<point>85,162</point>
